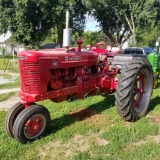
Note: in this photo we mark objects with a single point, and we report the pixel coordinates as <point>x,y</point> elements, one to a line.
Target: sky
<point>91,24</point>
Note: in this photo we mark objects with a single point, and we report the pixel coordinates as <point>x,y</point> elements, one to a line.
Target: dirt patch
<point>76,144</point>
<point>155,139</point>
<point>82,114</point>
<point>4,79</point>
<point>5,105</point>
<point>100,141</point>
<point>89,116</point>
<point>8,77</point>
<point>63,151</point>
<point>5,91</point>
<point>154,119</point>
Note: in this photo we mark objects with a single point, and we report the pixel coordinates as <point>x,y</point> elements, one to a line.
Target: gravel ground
<point>5,105</point>
<point>12,100</point>
<point>4,91</point>
<point>4,80</point>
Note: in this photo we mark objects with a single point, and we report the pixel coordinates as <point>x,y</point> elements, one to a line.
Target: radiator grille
<point>29,76</point>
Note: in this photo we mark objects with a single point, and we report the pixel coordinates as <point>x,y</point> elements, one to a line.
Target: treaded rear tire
<point>134,89</point>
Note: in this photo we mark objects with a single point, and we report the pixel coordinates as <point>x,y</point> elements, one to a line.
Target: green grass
<point>15,82</point>
<point>4,62</point>
<point>89,129</point>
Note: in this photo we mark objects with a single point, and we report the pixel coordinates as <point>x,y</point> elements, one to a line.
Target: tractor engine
<point>57,74</point>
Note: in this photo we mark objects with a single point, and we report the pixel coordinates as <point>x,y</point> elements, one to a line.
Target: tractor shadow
<point>81,114</point>
<point>153,103</point>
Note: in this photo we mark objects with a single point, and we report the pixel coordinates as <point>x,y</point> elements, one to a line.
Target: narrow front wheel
<point>31,124</point>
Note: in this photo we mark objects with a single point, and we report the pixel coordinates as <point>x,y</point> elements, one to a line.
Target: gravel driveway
<point>3,80</point>
<point>5,105</point>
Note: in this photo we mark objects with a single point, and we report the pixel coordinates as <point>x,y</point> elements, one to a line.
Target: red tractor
<point>57,74</point>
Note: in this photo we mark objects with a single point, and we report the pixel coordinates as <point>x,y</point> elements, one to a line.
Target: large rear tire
<point>31,124</point>
<point>134,89</point>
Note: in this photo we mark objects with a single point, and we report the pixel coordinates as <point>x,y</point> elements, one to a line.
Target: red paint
<point>54,74</point>
<point>34,126</point>
<point>79,42</point>
<point>139,90</point>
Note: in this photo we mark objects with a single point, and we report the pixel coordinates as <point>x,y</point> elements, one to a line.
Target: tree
<point>148,34</point>
<point>31,20</point>
<point>157,22</point>
<point>91,38</point>
<point>107,13</point>
<point>121,19</point>
<point>138,13</point>
<point>28,20</point>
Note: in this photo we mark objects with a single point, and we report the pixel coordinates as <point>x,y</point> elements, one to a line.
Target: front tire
<point>134,89</point>
<point>31,124</point>
<point>11,116</point>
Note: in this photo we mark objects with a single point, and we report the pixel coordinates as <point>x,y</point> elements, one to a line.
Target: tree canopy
<point>31,21</point>
<point>124,18</point>
<point>28,20</point>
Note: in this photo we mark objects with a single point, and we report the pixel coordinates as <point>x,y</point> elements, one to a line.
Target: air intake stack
<point>67,32</point>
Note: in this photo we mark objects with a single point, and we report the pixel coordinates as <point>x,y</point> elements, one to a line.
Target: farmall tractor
<point>57,74</point>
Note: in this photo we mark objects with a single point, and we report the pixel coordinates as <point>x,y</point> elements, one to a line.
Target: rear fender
<point>120,60</point>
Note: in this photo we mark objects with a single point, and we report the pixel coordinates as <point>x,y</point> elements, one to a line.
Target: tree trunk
<point>134,38</point>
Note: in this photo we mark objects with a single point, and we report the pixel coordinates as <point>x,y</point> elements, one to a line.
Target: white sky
<point>91,24</point>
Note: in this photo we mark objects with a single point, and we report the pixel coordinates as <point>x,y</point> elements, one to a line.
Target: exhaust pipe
<point>67,32</point>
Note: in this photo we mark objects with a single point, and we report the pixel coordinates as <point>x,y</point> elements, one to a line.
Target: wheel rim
<point>141,91</point>
<point>34,126</point>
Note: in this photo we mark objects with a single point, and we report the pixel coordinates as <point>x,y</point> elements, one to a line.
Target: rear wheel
<point>31,124</point>
<point>11,116</point>
<point>134,89</point>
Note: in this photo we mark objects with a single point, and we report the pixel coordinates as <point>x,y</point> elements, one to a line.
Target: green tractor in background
<point>154,61</point>
<point>152,56</point>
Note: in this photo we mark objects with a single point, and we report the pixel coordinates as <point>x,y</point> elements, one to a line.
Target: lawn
<point>10,76</point>
<point>89,129</point>
<point>6,63</point>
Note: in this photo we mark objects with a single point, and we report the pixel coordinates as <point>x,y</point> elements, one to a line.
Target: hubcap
<point>34,126</point>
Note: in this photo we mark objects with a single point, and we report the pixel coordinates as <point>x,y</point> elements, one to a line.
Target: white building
<point>6,44</point>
